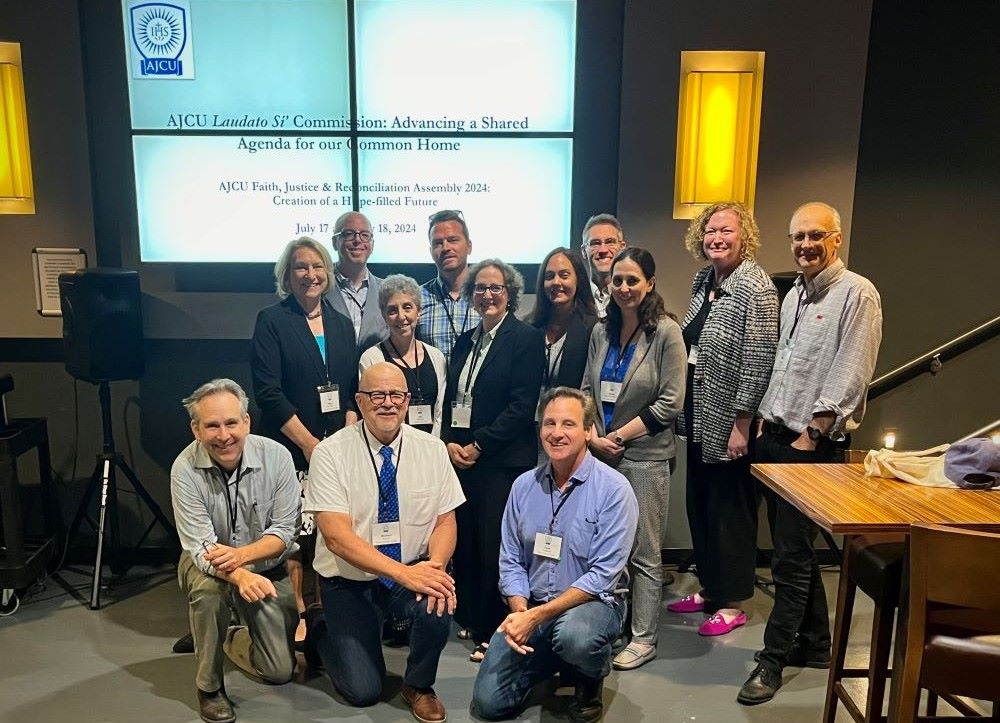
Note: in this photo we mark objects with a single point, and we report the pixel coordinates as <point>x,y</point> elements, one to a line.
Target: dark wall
<point>927,207</point>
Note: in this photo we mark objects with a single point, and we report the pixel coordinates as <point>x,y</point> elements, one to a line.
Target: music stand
<point>104,477</point>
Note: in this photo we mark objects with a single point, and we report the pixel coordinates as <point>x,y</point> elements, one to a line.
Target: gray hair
<point>284,264</point>
<point>397,284</point>
<point>599,219</point>
<point>586,401</point>
<point>512,279</point>
<point>216,386</point>
<point>341,221</point>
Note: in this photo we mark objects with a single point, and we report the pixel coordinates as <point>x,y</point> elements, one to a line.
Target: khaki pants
<point>263,648</point>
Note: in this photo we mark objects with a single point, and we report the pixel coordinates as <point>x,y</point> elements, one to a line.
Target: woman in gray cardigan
<point>635,372</point>
<point>731,332</point>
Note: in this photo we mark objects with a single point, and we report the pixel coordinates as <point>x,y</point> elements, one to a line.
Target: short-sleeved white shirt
<point>342,479</point>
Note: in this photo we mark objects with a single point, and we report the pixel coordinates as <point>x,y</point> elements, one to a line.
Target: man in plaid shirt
<point>444,314</point>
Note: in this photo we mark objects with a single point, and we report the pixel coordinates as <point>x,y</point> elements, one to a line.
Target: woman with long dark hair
<point>636,373</point>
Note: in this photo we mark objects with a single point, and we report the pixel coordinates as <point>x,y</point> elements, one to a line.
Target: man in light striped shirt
<point>831,328</point>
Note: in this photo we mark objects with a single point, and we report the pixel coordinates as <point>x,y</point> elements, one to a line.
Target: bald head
<point>383,400</point>
<point>349,241</point>
<point>816,237</point>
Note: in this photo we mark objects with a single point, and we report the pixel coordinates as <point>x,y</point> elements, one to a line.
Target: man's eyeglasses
<point>814,236</point>
<point>350,234</point>
<point>596,243</point>
<point>378,397</point>
<point>495,289</point>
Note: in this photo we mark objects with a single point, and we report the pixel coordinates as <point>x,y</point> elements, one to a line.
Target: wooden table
<point>841,499</point>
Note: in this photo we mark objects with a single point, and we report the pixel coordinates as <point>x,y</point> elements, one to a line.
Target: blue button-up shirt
<point>597,524</point>
<point>442,318</point>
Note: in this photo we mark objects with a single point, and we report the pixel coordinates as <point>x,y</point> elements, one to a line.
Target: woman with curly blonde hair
<point>731,334</point>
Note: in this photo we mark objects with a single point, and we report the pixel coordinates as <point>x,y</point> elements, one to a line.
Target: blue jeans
<point>349,639</point>
<point>580,638</point>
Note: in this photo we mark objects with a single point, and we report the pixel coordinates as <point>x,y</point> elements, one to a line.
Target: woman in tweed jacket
<point>731,333</point>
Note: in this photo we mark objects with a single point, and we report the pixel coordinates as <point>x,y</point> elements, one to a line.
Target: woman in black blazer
<point>299,346</point>
<point>489,412</point>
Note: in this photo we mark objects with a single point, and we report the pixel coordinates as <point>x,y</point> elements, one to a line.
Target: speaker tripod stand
<point>104,479</point>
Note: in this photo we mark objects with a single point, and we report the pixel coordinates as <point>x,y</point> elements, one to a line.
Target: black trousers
<point>477,554</point>
<point>800,607</point>
<point>722,514</point>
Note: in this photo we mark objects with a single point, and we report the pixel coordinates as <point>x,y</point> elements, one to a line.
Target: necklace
<point>316,314</point>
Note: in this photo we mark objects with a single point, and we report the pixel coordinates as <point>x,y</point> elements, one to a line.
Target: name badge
<point>549,546</point>
<point>693,355</point>
<point>420,414</point>
<point>329,398</point>
<point>782,357</point>
<point>610,391</point>
<point>385,533</point>
<point>461,415</point>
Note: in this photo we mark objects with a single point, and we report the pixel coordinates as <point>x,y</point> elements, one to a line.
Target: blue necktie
<point>388,507</point>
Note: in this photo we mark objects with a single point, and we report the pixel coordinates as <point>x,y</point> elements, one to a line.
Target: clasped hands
<point>429,579</point>
<point>230,561</point>
<point>463,457</point>
<point>517,629</point>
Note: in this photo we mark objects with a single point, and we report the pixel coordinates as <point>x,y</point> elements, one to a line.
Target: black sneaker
<point>587,705</point>
<point>760,686</point>
<point>184,644</point>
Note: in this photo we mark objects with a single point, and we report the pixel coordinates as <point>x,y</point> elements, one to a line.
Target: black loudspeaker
<point>102,324</point>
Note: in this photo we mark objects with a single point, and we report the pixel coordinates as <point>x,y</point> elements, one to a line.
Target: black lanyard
<point>473,361</point>
<point>624,349</point>
<point>798,310</point>
<point>451,320</point>
<point>415,369</point>
<point>562,501</point>
<point>399,458</point>
<point>232,505</point>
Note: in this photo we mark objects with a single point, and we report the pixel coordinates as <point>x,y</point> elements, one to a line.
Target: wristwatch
<point>814,434</point>
<point>619,441</point>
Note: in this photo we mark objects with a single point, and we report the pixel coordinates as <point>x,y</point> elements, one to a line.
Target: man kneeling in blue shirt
<point>568,528</point>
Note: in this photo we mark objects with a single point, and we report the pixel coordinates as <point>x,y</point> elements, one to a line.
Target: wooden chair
<point>873,564</point>
<point>953,628</point>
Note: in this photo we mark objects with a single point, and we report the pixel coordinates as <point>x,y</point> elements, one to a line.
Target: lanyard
<point>473,361</point>
<point>798,310</point>
<point>621,352</point>
<point>415,369</point>
<point>562,501</point>
<point>399,458</point>
<point>232,504</point>
<point>444,305</point>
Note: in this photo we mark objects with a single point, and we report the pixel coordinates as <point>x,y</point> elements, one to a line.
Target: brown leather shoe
<point>215,707</point>
<point>424,705</point>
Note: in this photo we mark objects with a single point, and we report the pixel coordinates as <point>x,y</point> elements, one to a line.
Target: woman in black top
<point>299,346</point>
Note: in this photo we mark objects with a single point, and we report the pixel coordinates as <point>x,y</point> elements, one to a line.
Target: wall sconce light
<point>16,190</point>
<point>889,438</point>
<point>718,129</point>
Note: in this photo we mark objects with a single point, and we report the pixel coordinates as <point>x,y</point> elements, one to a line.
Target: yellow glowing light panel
<point>16,193</point>
<point>718,129</point>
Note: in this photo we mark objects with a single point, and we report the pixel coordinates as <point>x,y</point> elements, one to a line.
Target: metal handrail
<point>995,424</point>
<point>933,360</point>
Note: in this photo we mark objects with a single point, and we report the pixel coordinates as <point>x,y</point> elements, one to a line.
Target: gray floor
<point>61,661</point>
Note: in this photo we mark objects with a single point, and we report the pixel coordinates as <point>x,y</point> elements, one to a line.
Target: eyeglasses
<point>378,397</point>
<point>596,243</point>
<point>446,215</point>
<point>495,289</point>
<point>350,234</point>
<point>814,236</point>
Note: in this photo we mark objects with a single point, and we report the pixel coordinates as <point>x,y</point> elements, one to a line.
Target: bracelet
<point>476,446</point>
